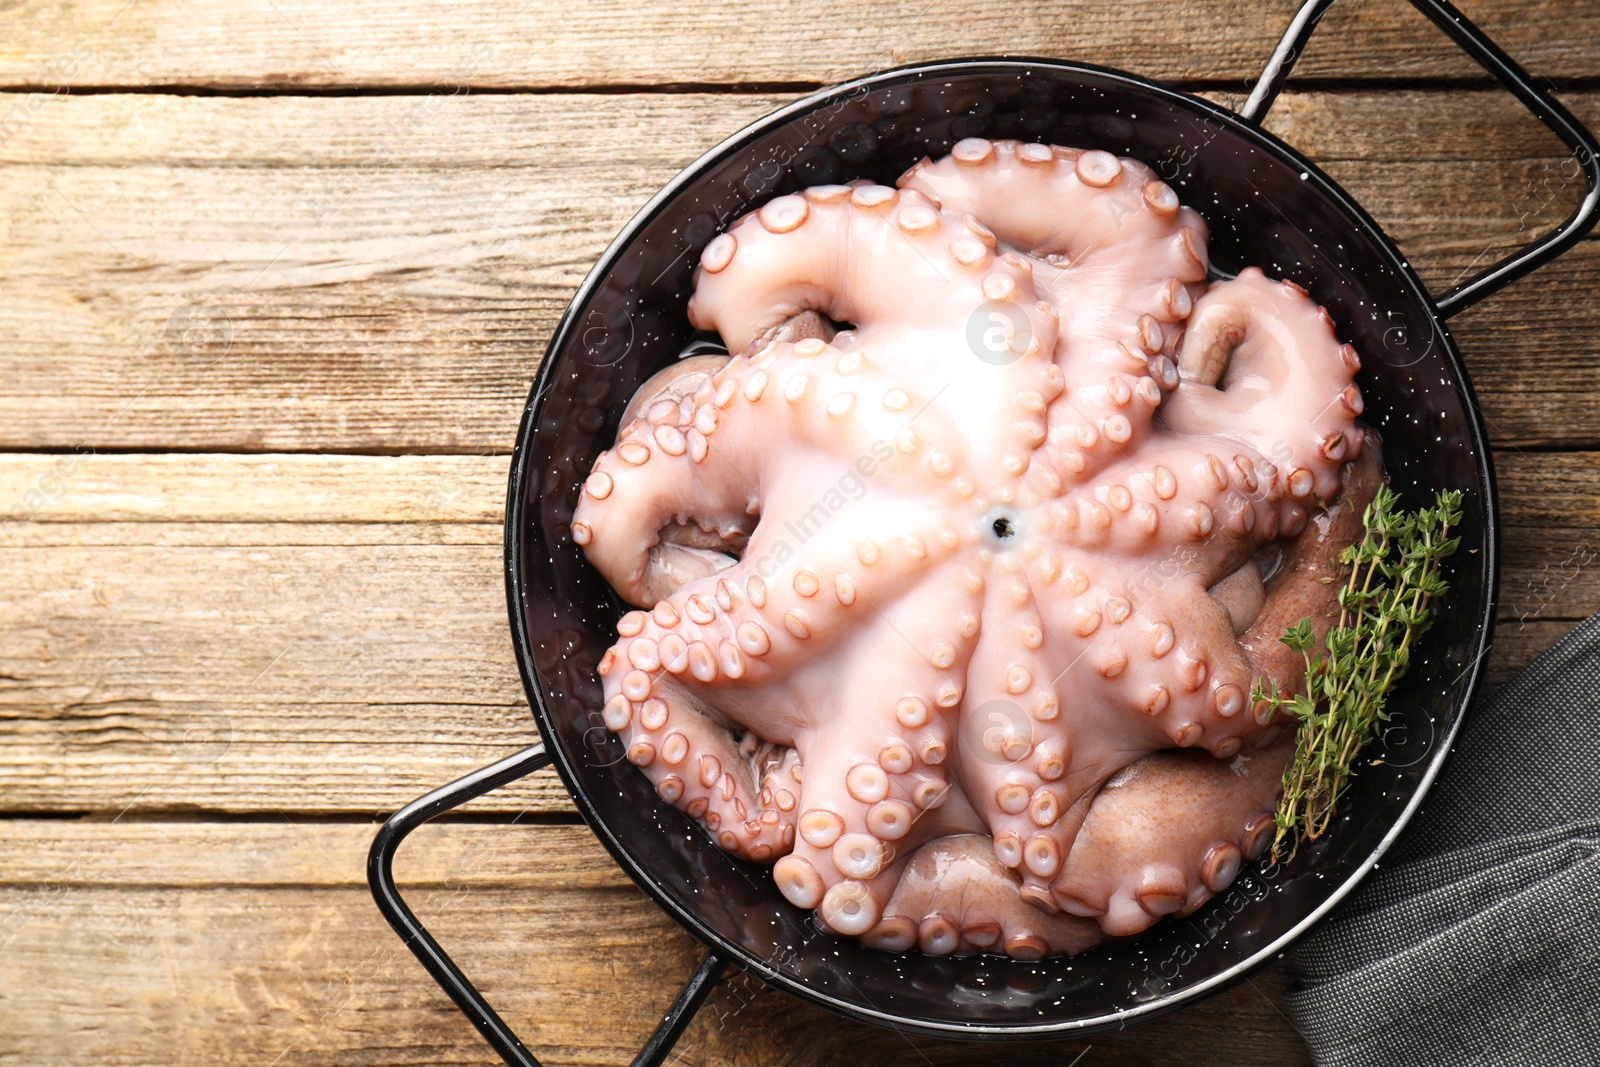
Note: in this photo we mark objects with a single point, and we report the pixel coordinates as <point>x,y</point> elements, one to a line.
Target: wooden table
<point>273,285</point>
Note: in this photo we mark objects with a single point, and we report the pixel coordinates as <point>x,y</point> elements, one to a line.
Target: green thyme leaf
<point>1385,604</point>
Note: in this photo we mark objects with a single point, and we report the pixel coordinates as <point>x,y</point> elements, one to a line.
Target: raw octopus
<point>954,579</point>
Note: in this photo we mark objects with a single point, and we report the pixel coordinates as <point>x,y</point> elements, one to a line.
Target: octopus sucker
<point>989,525</point>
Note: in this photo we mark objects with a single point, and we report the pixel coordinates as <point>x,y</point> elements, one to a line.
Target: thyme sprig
<point>1385,605</point>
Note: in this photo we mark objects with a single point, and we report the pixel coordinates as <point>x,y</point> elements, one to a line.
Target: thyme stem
<point>1384,605</point>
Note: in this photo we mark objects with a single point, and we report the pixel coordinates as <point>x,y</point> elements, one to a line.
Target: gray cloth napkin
<point>1477,941</point>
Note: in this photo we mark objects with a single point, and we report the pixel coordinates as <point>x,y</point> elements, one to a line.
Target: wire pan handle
<point>437,962</point>
<point>1582,144</point>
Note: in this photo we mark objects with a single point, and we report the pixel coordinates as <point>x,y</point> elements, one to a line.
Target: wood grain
<point>256,679</point>
<point>309,319</point>
<point>371,274</point>
<point>242,633</point>
<point>263,942</point>
<point>538,43</point>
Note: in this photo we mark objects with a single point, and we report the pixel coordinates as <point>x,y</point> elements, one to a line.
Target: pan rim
<point>517,495</point>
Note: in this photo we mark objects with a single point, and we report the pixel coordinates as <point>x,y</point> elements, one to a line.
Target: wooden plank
<point>239,757</point>
<point>195,661</point>
<point>1523,362</point>
<point>1517,642</point>
<point>286,853</point>
<point>82,487</point>
<point>356,274</point>
<point>368,302</point>
<point>248,534</point>
<point>1550,522</point>
<point>187,943</point>
<point>299,43</point>
<point>318,677</point>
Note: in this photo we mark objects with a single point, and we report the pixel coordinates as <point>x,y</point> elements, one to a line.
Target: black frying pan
<point>1265,205</point>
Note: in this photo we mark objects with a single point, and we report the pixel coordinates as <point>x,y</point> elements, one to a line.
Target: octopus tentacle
<point>1167,834</point>
<point>1089,207</point>
<point>1261,363</point>
<point>656,702</point>
<point>1033,757</point>
<point>1033,821</point>
<point>846,856</point>
<point>887,262</point>
<point>660,509</point>
<point>673,384</point>
<point>1306,584</point>
<point>1118,253</point>
<point>1216,506</point>
<point>1241,596</point>
<point>1152,668</point>
<point>876,785</point>
<point>680,496</point>
<point>708,656</point>
<point>954,896</point>
<point>859,254</point>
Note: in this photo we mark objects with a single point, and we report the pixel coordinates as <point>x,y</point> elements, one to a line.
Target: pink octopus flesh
<point>953,611</point>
